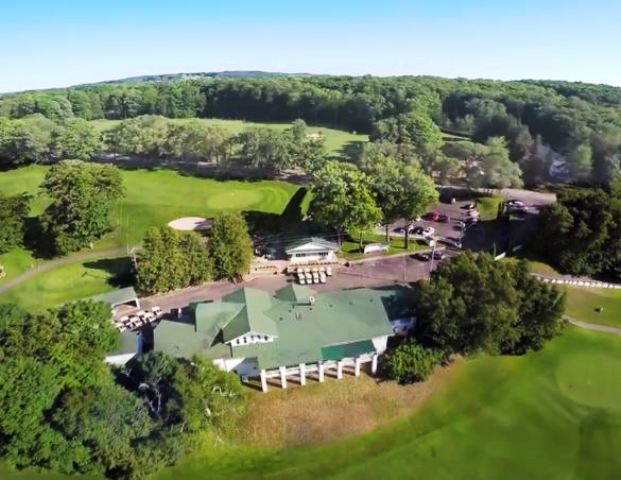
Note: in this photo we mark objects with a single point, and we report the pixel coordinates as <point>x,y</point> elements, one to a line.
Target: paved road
<point>594,326</point>
<point>52,264</point>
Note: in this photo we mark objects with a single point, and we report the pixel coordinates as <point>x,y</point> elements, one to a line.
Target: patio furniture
<point>329,271</point>
<point>302,280</point>
<point>322,277</point>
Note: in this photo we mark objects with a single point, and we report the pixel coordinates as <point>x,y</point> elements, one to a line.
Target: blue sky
<point>64,42</point>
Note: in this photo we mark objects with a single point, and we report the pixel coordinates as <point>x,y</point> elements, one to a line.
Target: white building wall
<point>120,359</point>
<point>245,367</point>
<point>380,343</point>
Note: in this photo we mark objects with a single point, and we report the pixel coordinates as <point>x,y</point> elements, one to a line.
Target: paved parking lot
<point>380,271</point>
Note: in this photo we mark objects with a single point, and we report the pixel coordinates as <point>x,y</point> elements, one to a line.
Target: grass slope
<point>549,415</point>
<point>552,414</point>
<point>336,140</point>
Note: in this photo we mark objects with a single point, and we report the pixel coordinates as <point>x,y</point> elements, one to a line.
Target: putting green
<point>591,378</point>
<point>234,200</point>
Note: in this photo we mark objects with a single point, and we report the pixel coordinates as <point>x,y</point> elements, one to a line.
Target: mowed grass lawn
<point>550,415</point>
<point>583,302</point>
<point>335,139</point>
<point>70,282</point>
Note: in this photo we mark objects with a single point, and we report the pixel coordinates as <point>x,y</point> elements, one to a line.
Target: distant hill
<point>168,77</point>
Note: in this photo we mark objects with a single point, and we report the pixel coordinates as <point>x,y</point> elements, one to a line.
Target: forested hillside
<point>576,127</point>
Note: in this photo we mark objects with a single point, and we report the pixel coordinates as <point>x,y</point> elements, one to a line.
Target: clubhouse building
<point>289,335</point>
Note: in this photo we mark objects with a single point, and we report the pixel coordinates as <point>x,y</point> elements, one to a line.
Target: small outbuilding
<point>116,298</point>
<point>129,345</point>
<point>312,249</point>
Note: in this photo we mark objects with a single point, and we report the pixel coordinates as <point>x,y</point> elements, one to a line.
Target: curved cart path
<point>594,326</point>
<point>59,262</point>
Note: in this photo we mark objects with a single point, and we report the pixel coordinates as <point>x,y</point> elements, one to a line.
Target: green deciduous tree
<point>342,199</point>
<point>77,140</point>
<point>209,397</point>
<point>13,214</point>
<point>230,246</point>
<point>411,362</point>
<point>170,260</point>
<point>474,304</point>
<point>401,191</point>
<point>82,196</point>
<point>581,234</point>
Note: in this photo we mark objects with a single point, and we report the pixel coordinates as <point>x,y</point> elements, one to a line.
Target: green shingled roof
<point>303,330</point>
<point>117,297</point>
<point>251,317</point>
<point>336,325</point>
<point>180,339</point>
<point>127,343</point>
<point>295,293</point>
<point>347,350</point>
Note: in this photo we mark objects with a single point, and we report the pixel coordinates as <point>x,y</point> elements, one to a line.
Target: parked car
<point>417,230</point>
<point>428,231</point>
<point>469,206</point>
<point>432,216</point>
<point>437,255</point>
<point>443,218</point>
<point>473,213</point>
<point>470,220</point>
<point>515,203</point>
<point>460,225</point>
<point>423,257</point>
<point>518,209</point>
<point>399,230</point>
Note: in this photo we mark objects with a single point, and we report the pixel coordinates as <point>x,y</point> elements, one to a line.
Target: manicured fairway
<point>335,139</point>
<point>153,198</point>
<point>553,414</point>
<point>582,304</point>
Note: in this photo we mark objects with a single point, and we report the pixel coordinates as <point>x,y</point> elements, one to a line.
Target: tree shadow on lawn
<point>119,272</point>
<point>36,240</point>
<point>352,151</point>
<point>291,218</point>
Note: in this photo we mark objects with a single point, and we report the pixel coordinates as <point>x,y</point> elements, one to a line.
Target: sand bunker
<point>191,223</point>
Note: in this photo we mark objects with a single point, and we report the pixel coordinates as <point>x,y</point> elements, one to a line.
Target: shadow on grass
<point>118,272</point>
<point>352,151</point>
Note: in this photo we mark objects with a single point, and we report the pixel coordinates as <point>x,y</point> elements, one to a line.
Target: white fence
<point>577,283</point>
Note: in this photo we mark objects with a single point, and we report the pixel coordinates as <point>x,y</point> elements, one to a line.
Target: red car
<point>433,216</point>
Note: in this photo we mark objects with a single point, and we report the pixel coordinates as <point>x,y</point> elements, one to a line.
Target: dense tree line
<point>257,147</point>
<point>37,139</point>
<point>581,233</point>
<point>579,121</point>
<point>170,260</point>
<point>61,407</point>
